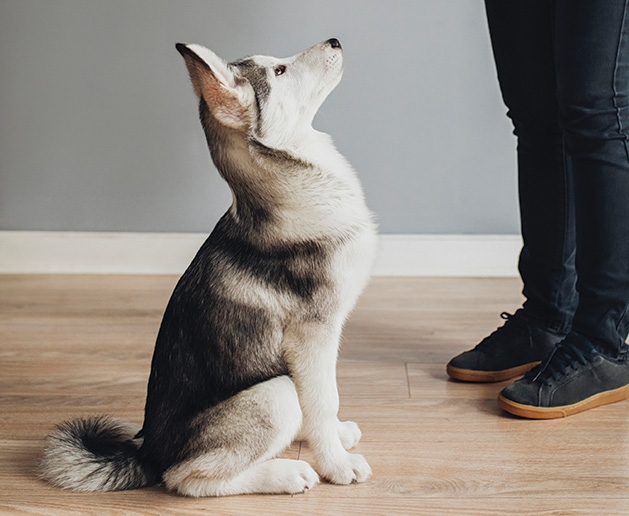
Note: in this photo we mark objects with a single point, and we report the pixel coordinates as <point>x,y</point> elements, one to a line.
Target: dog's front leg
<point>312,363</point>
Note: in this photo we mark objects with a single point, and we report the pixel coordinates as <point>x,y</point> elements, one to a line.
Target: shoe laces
<point>566,356</point>
<point>511,328</point>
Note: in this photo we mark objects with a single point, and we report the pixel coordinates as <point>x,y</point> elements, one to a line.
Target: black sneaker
<point>575,377</point>
<point>510,351</point>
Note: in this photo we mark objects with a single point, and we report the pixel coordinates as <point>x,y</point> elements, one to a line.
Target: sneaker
<point>510,351</point>
<point>575,377</point>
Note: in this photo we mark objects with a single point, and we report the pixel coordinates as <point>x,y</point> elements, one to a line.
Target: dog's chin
<point>333,80</point>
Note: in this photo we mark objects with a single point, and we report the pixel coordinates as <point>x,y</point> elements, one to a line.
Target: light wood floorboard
<point>81,345</point>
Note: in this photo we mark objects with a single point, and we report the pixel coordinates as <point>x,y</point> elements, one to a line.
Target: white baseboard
<point>34,252</point>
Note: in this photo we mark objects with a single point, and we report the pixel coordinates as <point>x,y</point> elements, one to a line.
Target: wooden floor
<point>80,345</point>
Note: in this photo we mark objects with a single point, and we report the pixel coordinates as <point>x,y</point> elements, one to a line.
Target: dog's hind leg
<point>234,443</point>
<point>273,476</point>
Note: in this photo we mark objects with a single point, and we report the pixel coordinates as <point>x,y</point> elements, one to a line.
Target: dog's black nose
<point>334,43</point>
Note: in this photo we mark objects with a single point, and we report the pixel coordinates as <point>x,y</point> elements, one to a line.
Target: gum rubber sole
<point>532,412</point>
<point>471,375</point>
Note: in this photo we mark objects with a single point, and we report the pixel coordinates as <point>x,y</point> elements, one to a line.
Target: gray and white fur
<point>245,358</point>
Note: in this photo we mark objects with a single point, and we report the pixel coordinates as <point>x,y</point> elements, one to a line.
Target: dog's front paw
<point>349,468</point>
<point>349,434</point>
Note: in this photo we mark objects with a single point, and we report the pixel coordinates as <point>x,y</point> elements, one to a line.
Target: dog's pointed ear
<point>215,83</point>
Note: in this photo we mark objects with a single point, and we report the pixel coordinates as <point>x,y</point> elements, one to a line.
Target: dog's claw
<point>352,468</point>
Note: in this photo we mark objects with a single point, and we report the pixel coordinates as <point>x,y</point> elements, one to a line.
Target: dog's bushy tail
<point>95,454</point>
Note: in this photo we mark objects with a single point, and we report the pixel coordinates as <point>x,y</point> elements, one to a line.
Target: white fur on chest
<point>351,268</point>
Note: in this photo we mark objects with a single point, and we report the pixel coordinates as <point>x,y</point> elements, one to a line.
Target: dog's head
<point>271,99</point>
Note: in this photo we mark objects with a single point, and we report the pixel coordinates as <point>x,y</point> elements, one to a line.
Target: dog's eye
<point>279,70</point>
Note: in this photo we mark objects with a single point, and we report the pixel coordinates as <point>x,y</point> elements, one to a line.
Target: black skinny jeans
<point>563,68</point>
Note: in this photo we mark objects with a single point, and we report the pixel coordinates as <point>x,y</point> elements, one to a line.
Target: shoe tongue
<point>575,345</point>
<point>581,343</point>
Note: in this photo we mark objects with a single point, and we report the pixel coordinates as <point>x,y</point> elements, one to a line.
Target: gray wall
<point>99,129</point>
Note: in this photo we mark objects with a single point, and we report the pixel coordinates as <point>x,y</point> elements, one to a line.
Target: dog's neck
<point>300,190</point>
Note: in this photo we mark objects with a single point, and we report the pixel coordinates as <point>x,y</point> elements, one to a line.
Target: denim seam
<point>621,319</point>
<point>566,322</point>
<point>621,129</point>
<point>562,323</point>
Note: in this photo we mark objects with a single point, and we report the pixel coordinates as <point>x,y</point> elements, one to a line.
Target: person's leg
<point>592,62</point>
<point>593,92</point>
<point>522,36</point>
<point>522,42</point>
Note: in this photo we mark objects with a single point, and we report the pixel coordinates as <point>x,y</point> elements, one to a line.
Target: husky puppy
<point>245,358</point>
